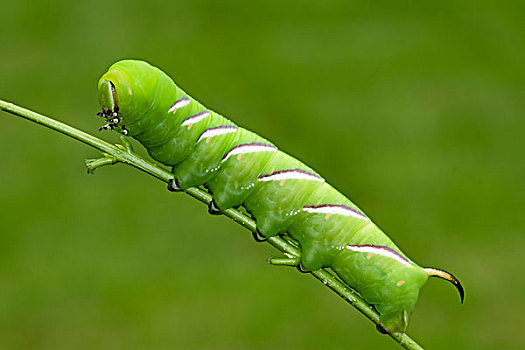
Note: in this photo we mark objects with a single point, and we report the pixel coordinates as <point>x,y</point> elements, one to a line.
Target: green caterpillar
<point>283,195</point>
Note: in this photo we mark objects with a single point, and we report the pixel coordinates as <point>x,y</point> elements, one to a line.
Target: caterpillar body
<point>283,195</point>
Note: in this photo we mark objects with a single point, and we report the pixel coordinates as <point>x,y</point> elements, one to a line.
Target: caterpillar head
<point>129,93</point>
<point>108,100</point>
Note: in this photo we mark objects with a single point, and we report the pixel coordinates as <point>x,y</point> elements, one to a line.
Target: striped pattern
<point>379,250</point>
<point>196,118</point>
<point>178,104</point>
<point>335,209</point>
<point>290,174</point>
<point>249,148</point>
<point>219,130</point>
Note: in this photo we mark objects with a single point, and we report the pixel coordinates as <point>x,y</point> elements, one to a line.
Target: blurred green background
<point>415,110</point>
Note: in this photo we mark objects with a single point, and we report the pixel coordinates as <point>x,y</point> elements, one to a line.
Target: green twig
<point>113,154</point>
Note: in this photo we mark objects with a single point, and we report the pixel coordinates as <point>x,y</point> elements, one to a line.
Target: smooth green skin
<point>235,180</point>
<point>201,164</point>
<point>274,204</point>
<point>144,97</point>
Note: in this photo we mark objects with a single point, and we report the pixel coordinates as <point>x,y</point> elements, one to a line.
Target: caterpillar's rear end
<point>283,195</point>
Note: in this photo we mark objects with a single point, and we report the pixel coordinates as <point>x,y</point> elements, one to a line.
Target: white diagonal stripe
<point>220,130</point>
<point>336,210</point>
<point>179,104</point>
<point>249,148</point>
<point>379,250</point>
<point>195,118</point>
<point>294,174</point>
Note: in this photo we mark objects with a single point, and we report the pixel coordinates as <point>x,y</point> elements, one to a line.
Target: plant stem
<point>124,154</point>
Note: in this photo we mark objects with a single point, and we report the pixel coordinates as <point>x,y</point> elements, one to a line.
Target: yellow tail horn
<point>449,277</point>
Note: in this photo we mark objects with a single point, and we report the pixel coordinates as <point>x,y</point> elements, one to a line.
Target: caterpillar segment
<point>203,162</point>
<point>283,195</point>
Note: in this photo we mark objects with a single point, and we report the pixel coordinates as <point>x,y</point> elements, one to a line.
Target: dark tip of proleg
<point>213,209</point>
<point>173,186</point>
<point>381,329</point>
<point>301,269</point>
<point>258,236</point>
